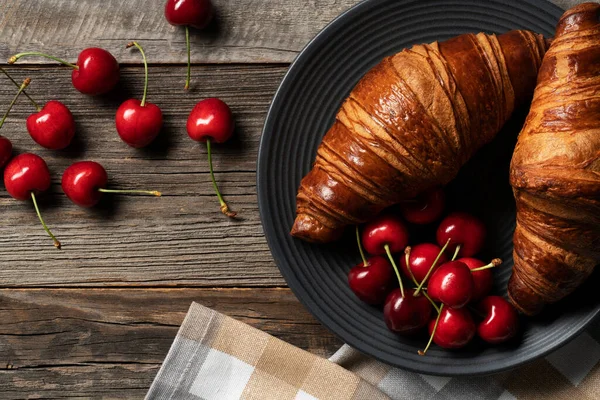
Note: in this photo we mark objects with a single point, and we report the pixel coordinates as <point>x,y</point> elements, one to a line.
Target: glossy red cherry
<point>25,176</point>
<point>451,284</point>
<point>455,328</point>
<point>211,120</point>
<point>420,259</point>
<point>139,122</point>
<point>196,13</point>
<point>84,183</point>
<point>386,230</point>
<point>427,207</point>
<point>482,279</point>
<point>373,281</point>
<point>465,232</point>
<point>406,314</point>
<point>501,320</point>
<point>53,127</point>
<point>5,151</point>
<point>96,71</point>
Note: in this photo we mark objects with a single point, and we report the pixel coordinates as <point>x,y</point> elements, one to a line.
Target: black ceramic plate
<point>303,110</point>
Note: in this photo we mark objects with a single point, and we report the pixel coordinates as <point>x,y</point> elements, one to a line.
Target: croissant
<point>555,170</point>
<point>411,123</point>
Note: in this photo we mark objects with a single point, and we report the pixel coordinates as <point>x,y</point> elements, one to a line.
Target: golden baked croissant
<point>555,170</point>
<point>411,123</point>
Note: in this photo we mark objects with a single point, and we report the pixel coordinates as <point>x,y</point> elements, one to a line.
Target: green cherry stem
<point>437,321</point>
<point>455,252</point>
<point>14,100</point>
<point>148,192</point>
<point>412,276</point>
<point>360,249</point>
<point>224,207</point>
<point>187,43</point>
<point>18,85</point>
<point>431,268</point>
<point>14,58</point>
<point>37,210</point>
<point>494,263</point>
<point>406,259</point>
<point>136,44</point>
<point>389,254</point>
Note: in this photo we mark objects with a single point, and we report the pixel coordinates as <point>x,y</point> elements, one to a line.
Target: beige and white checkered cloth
<point>215,357</point>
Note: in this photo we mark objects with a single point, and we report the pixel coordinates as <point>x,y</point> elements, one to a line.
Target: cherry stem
<point>187,43</point>
<point>407,260</point>
<point>37,210</point>
<point>431,268</point>
<point>14,58</point>
<point>437,321</point>
<point>148,192</point>
<point>136,44</point>
<point>360,249</point>
<point>17,84</point>
<point>455,252</point>
<point>224,207</point>
<point>494,263</point>
<point>14,100</point>
<point>389,254</point>
<point>407,255</point>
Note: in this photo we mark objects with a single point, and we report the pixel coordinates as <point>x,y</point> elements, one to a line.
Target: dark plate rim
<point>298,290</point>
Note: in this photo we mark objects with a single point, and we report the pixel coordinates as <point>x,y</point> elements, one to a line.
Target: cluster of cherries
<point>138,122</point>
<point>446,277</point>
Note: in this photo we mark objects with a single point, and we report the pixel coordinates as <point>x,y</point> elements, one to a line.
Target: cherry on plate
<point>451,284</point>
<point>421,258</point>
<point>426,208</point>
<point>465,233</point>
<point>501,320</point>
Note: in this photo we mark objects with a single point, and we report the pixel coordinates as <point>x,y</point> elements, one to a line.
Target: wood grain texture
<point>65,343</point>
<point>255,31</point>
<point>178,239</point>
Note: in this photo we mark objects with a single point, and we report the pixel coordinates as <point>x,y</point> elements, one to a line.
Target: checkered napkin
<point>215,357</point>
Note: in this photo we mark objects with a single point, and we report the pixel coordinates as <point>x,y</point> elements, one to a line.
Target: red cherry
<point>386,230</point>
<point>211,120</point>
<point>406,314</point>
<point>465,232</point>
<point>5,151</point>
<point>451,284</point>
<point>427,207</point>
<point>25,176</point>
<point>84,183</point>
<point>482,279</point>
<point>501,320</point>
<point>196,13</point>
<point>139,122</point>
<point>53,127</point>
<point>455,328</point>
<point>372,282</point>
<point>420,259</point>
<point>96,71</point>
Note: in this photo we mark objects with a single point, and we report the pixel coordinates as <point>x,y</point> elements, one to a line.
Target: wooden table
<point>97,318</point>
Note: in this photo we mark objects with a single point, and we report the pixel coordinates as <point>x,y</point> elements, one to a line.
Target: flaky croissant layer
<point>555,170</point>
<point>411,123</point>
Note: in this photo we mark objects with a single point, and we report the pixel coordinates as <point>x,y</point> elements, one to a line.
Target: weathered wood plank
<point>244,30</point>
<point>179,239</point>
<point>59,343</point>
